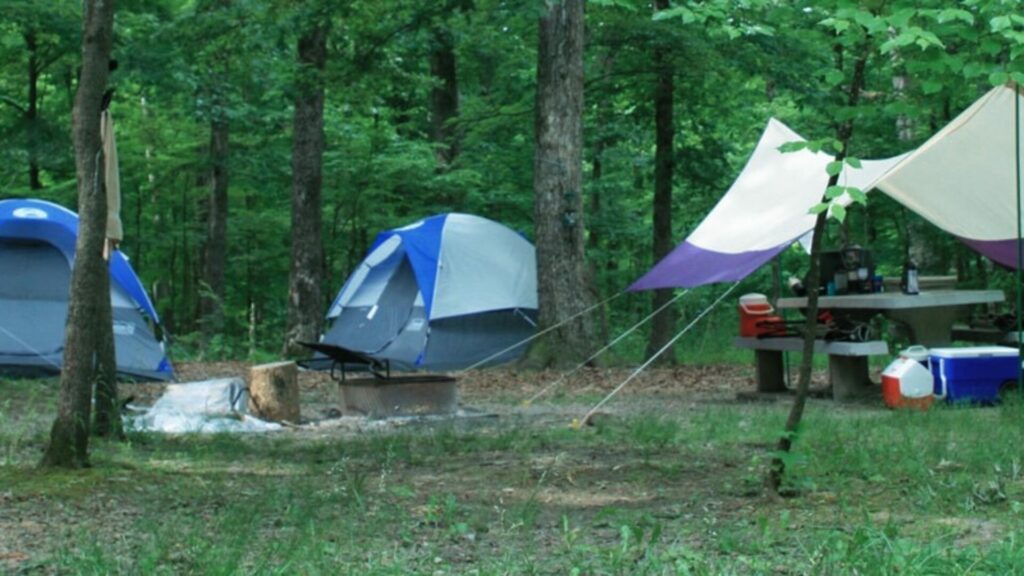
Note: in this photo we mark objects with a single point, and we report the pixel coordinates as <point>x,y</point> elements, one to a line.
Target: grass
<point>675,490</point>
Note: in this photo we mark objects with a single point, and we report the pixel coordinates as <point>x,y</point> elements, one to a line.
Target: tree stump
<point>274,392</point>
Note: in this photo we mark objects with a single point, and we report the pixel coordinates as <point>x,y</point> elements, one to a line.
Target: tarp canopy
<point>961,180</point>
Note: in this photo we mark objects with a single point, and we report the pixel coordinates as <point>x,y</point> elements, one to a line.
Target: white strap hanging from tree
<point>112,184</point>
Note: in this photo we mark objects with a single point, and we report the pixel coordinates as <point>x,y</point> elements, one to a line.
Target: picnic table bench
<point>847,362</point>
<point>986,335</point>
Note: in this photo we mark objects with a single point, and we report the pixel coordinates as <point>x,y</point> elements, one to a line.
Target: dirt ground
<point>493,399</point>
<point>532,393</point>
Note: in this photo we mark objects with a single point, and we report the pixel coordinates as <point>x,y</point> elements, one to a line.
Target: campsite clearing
<point>668,480</point>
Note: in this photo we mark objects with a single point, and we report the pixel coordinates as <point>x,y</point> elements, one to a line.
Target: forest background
<point>429,107</point>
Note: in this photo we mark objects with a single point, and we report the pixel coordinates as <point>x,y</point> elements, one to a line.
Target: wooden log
<point>274,392</point>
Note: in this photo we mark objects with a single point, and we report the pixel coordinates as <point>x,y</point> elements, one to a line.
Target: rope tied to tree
<point>578,423</point>
<point>539,334</point>
<point>527,402</point>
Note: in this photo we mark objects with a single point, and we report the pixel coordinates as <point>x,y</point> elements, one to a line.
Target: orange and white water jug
<point>906,383</point>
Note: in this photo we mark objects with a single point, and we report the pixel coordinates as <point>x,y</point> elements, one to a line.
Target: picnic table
<point>927,318</point>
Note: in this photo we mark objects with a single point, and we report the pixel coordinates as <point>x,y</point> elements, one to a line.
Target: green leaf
<point>857,195</point>
<point>833,192</point>
<point>683,12</point>
<point>998,78</point>
<point>853,162</point>
<point>837,25</point>
<point>931,86</point>
<point>835,167</point>
<point>866,19</point>
<point>627,4</point>
<point>899,41</point>
<point>1000,23</point>
<point>973,70</point>
<point>818,208</point>
<point>793,146</point>
<point>834,77</point>
<point>926,39</point>
<point>902,18</point>
<point>951,14</point>
<point>839,212</point>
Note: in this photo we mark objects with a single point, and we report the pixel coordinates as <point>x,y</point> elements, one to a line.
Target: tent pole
<point>1020,254</point>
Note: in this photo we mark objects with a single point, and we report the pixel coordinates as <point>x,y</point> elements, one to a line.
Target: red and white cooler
<point>754,309</point>
<point>906,383</point>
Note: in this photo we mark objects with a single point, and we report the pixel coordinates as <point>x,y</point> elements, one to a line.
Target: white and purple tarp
<point>962,180</point>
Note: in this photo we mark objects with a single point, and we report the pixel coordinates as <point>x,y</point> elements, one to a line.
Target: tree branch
<point>13,103</point>
<point>362,57</point>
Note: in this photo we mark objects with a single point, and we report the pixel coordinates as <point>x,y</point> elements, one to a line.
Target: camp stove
<point>847,271</point>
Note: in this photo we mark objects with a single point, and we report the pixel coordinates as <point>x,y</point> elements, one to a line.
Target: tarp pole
<point>1020,254</point>
<point>578,423</point>
<point>618,339</point>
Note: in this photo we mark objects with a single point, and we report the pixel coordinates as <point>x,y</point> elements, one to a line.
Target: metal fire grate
<point>416,395</point>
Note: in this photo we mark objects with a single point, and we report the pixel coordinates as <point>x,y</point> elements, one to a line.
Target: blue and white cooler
<point>975,374</point>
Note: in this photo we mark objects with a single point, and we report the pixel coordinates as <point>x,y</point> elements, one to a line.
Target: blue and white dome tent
<point>442,293</point>
<point>37,251</point>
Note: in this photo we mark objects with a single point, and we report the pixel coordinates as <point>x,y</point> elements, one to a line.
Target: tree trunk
<point>844,131</point>
<point>32,112</point>
<point>211,306</point>
<point>777,468</point>
<point>557,168</point>
<point>444,99</point>
<point>107,422</point>
<point>69,437</point>
<point>305,303</point>
<point>663,324</point>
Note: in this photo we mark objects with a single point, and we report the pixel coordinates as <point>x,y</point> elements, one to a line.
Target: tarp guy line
<point>30,348</point>
<point>563,377</point>
<point>578,423</point>
<point>538,334</point>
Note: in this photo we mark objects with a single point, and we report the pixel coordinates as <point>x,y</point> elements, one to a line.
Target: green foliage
<point>24,409</point>
<point>184,64</point>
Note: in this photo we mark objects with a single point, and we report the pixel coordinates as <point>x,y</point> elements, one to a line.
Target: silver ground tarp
<point>207,407</point>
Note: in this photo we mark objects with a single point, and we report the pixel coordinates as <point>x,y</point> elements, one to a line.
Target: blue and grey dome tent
<point>37,250</point>
<point>440,294</point>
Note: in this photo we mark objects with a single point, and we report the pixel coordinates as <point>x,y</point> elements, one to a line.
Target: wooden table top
<point>899,301</point>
